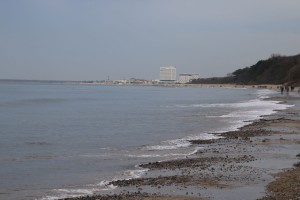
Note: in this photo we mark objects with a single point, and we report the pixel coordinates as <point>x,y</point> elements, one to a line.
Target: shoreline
<point>224,85</point>
<point>244,163</point>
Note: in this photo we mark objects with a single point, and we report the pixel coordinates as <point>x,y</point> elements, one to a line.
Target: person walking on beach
<point>292,88</point>
<point>281,89</point>
<point>287,89</point>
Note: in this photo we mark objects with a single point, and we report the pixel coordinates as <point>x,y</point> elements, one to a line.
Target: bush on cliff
<point>275,70</point>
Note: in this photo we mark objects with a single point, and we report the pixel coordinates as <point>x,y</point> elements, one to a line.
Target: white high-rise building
<point>167,74</point>
<point>186,78</point>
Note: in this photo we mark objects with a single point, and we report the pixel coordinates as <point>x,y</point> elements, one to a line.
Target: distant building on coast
<point>167,74</point>
<point>186,78</point>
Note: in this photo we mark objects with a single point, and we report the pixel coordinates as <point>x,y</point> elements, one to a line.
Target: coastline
<point>241,165</point>
<point>225,85</point>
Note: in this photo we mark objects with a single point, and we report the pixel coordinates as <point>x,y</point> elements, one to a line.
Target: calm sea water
<point>59,140</point>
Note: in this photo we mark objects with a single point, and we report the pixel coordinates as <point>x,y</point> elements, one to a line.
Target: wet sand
<point>255,162</point>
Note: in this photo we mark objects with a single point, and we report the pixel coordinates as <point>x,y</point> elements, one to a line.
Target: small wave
<point>104,185</point>
<point>68,193</point>
<point>136,173</point>
<point>265,92</point>
<point>146,155</point>
<point>203,136</point>
<point>260,102</point>
<point>169,145</point>
<point>27,158</point>
<point>235,88</point>
<point>180,143</point>
<point>155,155</point>
<point>37,101</point>
<point>72,193</point>
<point>94,188</point>
<point>252,110</point>
<point>268,108</point>
<point>217,105</point>
<point>165,155</point>
<point>38,157</point>
<point>236,125</point>
<point>195,151</point>
<point>248,115</point>
<point>39,143</point>
<point>96,155</point>
<point>264,97</point>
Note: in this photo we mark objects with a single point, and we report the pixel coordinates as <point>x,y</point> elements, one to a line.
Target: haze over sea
<point>60,140</point>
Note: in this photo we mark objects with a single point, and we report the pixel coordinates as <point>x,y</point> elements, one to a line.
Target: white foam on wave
<point>248,111</point>
<point>104,185</point>
<point>264,93</point>
<point>68,193</point>
<point>93,188</point>
<point>72,193</point>
<point>146,155</point>
<point>195,151</point>
<point>169,145</point>
<point>136,173</point>
<point>261,95</point>
<point>243,114</point>
<point>235,88</point>
<point>221,105</point>
<point>257,109</point>
<point>126,175</point>
<point>181,143</point>
<point>165,155</point>
<point>96,155</point>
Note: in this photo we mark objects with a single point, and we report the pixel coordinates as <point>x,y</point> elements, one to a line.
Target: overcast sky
<point>93,39</point>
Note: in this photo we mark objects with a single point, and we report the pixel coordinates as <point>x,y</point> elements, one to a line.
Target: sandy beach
<point>259,161</point>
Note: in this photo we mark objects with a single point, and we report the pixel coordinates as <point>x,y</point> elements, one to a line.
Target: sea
<point>61,140</point>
